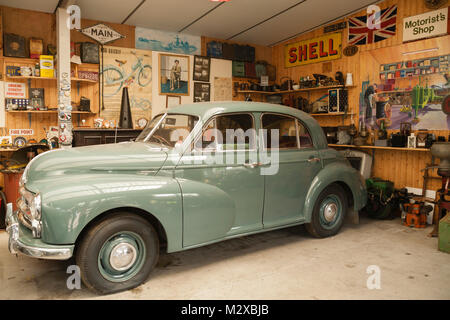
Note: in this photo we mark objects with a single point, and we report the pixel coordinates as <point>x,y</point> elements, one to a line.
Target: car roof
<point>204,110</point>
<point>207,109</point>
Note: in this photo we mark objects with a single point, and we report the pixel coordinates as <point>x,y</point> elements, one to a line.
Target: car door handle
<point>311,160</point>
<point>251,165</point>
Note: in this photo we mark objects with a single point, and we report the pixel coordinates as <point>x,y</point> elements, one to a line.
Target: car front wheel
<point>329,212</point>
<point>118,253</point>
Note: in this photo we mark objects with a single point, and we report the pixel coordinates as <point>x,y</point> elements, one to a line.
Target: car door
<point>298,164</point>
<point>220,181</point>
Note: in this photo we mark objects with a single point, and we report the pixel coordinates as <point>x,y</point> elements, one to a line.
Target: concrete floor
<point>284,264</point>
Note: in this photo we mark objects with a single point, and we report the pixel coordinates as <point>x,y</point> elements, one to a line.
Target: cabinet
<point>90,136</point>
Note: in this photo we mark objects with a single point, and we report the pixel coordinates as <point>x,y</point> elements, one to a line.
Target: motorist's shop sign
<point>430,24</point>
<point>327,47</point>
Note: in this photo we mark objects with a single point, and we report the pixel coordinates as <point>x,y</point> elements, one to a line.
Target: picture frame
<point>174,75</point>
<point>202,68</point>
<point>172,101</point>
<point>202,92</point>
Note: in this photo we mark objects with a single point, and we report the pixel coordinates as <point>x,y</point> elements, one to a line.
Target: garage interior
<point>375,75</point>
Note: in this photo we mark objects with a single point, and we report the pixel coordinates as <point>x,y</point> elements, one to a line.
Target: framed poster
<point>172,101</point>
<point>202,67</point>
<point>202,92</point>
<point>173,75</point>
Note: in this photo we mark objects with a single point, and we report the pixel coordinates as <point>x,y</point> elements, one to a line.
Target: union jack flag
<point>359,32</point>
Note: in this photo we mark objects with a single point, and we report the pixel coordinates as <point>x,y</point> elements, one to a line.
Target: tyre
<point>118,253</point>
<point>329,212</point>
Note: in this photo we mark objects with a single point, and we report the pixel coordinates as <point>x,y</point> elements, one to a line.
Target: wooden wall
<point>402,167</point>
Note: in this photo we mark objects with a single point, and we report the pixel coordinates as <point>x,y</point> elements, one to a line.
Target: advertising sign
<point>426,25</point>
<point>327,47</point>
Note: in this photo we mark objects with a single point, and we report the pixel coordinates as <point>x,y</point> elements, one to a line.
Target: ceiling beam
<point>132,12</point>
<point>265,20</point>
<point>201,17</point>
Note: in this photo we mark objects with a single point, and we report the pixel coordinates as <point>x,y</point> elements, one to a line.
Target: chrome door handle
<point>251,165</point>
<point>310,160</point>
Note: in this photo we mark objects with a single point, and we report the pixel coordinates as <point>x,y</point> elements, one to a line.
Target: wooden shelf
<point>32,111</point>
<point>331,114</point>
<point>312,89</point>
<point>44,78</point>
<point>253,91</point>
<point>381,148</point>
<point>8,149</point>
<point>293,91</point>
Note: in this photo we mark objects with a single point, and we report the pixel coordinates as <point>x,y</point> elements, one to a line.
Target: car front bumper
<point>21,241</point>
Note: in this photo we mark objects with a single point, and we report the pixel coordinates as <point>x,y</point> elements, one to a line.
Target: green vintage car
<point>196,175</point>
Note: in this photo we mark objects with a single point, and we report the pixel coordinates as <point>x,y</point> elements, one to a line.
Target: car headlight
<point>35,207</point>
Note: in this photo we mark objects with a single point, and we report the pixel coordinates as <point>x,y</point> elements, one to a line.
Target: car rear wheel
<point>118,253</point>
<point>329,212</point>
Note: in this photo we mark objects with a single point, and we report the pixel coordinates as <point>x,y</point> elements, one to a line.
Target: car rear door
<point>298,163</point>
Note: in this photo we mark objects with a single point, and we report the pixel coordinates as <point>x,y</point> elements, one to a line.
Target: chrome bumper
<point>18,242</point>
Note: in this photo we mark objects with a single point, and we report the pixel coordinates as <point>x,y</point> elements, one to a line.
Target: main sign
<point>430,24</point>
<point>101,33</point>
<point>327,47</point>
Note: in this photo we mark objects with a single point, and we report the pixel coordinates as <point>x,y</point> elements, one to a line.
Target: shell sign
<point>327,47</point>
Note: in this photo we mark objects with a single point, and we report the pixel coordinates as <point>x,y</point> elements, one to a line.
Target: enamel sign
<point>324,48</point>
<point>101,33</point>
<point>430,24</point>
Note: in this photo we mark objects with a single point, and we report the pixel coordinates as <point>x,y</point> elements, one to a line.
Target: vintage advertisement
<point>172,42</point>
<point>223,89</point>
<point>124,67</point>
<point>325,48</point>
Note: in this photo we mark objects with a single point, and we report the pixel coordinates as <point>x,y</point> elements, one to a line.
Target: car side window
<point>287,131</point>
<point>228,132</point>
<point>304,136</point>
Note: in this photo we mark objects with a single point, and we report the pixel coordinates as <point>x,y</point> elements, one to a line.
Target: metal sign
<point>324,48</point>
<point>335,27</point>
<point>427,25</point>
<point>101,33</point>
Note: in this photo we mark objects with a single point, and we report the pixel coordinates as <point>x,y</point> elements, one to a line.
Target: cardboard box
<point>47,69</point>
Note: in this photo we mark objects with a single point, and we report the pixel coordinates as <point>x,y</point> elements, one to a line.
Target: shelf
<point>293,91</point>
<point>32,111</point>
<point>394,91</point>
<point>44,78</point>
<point>312,89</point>
<point>253,91</point>
<point>331,114</point>
<point>8,149</point>
<point>380,148</point>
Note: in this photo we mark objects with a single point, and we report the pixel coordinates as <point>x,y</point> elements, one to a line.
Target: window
<point>292,134</point>
<point>304,137</point>
<point>172,129</point>
<point>228,132</point>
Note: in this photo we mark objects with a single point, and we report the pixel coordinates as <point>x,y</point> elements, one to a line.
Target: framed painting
<point>202,67</point>
<point>173,75</point>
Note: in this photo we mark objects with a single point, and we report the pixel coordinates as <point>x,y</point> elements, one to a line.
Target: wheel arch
<point>159,228</point>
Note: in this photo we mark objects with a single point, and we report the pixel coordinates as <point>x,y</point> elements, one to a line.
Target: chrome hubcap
<point>330,211</point>
<point>122,256</point>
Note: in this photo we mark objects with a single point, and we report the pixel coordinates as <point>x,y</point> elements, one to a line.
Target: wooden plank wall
<point>402,167</point>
